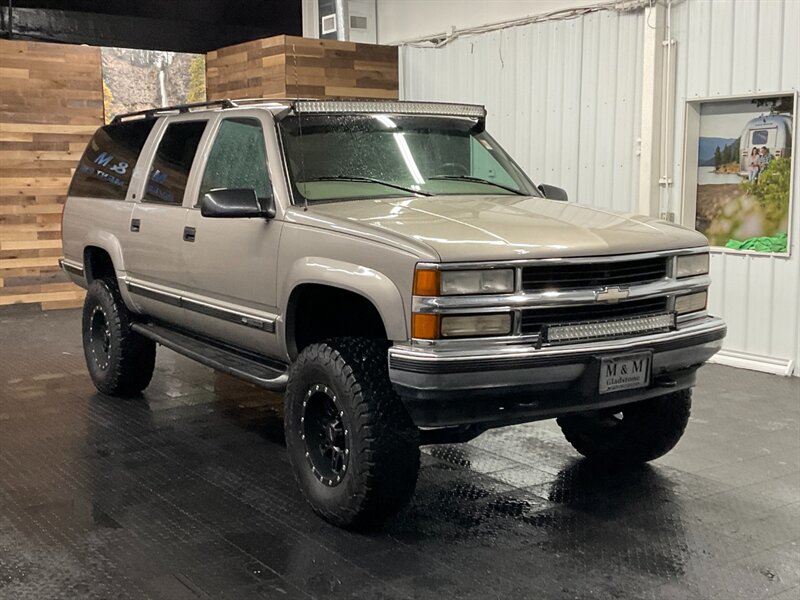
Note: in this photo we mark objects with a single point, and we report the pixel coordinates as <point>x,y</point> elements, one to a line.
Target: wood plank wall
<point>51,102</point>
<point>291,67</point>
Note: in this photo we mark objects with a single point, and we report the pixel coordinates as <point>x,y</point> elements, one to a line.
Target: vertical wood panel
<point>50,104</point>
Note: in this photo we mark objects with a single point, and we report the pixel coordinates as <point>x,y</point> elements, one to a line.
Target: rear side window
<point>238,159</point>
<point>173,161</point>
<point>760,137</point>
<point>107,164</point>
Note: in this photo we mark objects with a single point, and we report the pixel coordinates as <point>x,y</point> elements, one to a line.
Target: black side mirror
<point>552,192</point>
<point>236,204</point>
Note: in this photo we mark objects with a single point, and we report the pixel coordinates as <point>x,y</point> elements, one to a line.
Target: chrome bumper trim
<point>426,361</point>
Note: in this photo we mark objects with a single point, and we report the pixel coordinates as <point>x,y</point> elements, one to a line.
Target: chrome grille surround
<point>573,305</point>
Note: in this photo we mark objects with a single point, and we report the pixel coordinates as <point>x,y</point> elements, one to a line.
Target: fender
<point>110,243</point>
<point>369,283</point>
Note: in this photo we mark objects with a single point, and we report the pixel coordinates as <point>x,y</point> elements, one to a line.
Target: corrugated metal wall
<point>563,98</point>
<point>727,48</point>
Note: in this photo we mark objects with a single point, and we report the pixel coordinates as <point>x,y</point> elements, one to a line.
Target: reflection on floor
<point>186,493</point>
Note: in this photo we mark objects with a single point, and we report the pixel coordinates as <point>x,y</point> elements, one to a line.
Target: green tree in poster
<point>197,80</point>
<point>717,158</point>
<point>771,189</point>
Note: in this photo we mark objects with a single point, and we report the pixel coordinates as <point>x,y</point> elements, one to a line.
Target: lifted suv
<point>389,267</point>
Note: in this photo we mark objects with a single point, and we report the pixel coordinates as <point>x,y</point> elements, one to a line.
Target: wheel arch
<point>102,256</point>
<point>369,289</point>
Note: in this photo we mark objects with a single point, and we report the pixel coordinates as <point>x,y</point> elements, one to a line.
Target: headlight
<point>488,281</point>
<point>476,325</point>
<point>690,302</point>
<point>433,282</point>
<point>691,265</point>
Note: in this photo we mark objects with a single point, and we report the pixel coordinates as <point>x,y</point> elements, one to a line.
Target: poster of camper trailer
<point>744,173</point>
<point>141,79</point>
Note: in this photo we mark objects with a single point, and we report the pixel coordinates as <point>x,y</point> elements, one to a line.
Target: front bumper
<point>518,383</point>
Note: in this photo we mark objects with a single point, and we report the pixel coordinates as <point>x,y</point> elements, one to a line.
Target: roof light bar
<point>401,108</point>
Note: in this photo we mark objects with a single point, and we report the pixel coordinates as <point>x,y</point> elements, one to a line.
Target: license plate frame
<point>627,371</point>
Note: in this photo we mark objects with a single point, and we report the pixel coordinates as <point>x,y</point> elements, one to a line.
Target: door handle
<point>135,225</point>
<point>188,234</point>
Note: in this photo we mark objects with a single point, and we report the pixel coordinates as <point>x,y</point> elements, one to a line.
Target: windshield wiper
<point>369,180</point>
<point>478,180</point>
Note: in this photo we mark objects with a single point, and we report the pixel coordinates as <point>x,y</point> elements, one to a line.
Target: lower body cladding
<point>516,384</point>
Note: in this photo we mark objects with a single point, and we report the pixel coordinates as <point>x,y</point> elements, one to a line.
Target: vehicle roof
<point>314,106</point>
<point>776,119</point>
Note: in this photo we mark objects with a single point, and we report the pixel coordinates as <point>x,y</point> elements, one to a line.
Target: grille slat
<point>534,319</point>
<point>576,276</point>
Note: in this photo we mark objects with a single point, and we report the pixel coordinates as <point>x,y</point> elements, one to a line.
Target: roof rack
<point>170,110</point>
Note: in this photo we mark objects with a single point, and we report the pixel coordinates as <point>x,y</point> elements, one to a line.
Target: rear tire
<point>631,434</point>
<point>120,361</point>
<point>353,447</point>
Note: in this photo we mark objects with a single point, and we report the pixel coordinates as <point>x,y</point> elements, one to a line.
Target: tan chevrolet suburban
<point>392,270</point>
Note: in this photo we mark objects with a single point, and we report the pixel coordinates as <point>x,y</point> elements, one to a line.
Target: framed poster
<point>744,172</point>
<point>141,79</point>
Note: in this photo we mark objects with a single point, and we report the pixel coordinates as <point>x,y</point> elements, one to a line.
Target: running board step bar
<point>217,357</point>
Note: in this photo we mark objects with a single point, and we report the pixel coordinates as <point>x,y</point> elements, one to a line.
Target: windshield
<point>349,157</point>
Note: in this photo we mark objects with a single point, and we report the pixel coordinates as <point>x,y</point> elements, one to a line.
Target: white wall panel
<point>403,20</point>
<point>563,98</point>
<point>731,48</point>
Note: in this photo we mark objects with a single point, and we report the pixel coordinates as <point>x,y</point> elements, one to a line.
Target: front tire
<point>120,361</point>
<point>636,433</point>
<point>353,447</point>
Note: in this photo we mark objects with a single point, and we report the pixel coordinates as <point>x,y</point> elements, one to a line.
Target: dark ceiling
<point>177,25</point>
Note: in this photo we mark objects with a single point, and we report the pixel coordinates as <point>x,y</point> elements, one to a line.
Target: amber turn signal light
<point>424,326</point>
<point>426,282</point>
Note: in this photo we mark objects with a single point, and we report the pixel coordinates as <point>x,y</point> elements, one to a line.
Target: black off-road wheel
<point>353,447</point>
<point>120,361</point>
<point>631,434</point>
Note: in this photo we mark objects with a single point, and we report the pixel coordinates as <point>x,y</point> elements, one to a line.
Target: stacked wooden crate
<point>51,102</point>
<point>295,67</point>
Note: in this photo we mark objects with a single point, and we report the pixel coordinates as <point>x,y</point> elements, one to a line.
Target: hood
<point>486,228</point>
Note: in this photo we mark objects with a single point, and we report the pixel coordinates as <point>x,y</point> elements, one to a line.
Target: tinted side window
<point>107,164</point>
<point>173,161</point>
<point>238,159</point>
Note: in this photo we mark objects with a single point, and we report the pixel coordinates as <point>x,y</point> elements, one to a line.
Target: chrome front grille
<point>536,320</point>
<point>570,276</point>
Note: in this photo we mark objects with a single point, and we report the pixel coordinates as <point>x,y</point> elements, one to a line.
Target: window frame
<point>154,143</point>
<point>142,156</point>
<point>212,139</point>
<point>296,198</point>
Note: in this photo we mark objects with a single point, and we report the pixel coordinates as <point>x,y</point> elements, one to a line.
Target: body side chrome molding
<point>211,310</point>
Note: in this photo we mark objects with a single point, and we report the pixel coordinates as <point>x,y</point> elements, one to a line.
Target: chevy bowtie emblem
<point>611,294</point>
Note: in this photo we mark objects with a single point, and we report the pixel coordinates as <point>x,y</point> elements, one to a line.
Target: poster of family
<point>744,173</point>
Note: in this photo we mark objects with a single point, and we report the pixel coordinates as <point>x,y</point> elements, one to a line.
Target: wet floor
<point>187,493</point>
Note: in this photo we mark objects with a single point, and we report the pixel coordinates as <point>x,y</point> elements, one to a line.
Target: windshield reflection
<point>350,157</point>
